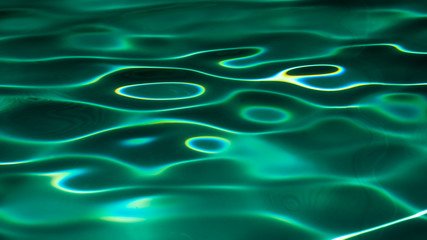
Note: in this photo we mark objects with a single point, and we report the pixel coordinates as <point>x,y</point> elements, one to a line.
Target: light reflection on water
<point>207,120</point>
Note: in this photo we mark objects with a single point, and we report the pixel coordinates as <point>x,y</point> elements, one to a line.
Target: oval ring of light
<point>192,143</point>
<point>337,72</point>
<point>121,91</point>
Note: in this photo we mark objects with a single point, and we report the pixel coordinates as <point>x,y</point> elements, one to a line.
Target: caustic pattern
<point>213,120</point>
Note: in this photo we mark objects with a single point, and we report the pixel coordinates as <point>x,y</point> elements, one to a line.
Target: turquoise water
<point>213,120</point>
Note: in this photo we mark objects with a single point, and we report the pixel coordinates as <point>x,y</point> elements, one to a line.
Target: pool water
<point>213,120</point>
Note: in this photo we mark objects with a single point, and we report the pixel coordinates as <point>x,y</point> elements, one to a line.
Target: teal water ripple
<point>188,120</point>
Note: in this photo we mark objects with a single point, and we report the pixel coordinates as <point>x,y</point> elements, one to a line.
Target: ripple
<point>207,144</point>
<point>45,119</point>
<point>263,114</point>
<point>25,21</point>
<point>164,119</point>
<point>403,106</point>
<point>313,71</point>
<point>162,91</point>
<point>417,215</point>
<point>99,41</point>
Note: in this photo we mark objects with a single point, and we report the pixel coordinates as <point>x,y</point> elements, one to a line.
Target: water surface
<point>213,120</point>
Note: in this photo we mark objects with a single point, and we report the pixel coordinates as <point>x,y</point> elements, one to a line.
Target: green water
<point>213,120</point>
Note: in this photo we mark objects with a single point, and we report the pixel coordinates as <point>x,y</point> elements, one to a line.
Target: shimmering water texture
<point>213,120</point>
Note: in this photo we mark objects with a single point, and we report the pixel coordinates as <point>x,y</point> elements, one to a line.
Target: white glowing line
<point>381,226</point>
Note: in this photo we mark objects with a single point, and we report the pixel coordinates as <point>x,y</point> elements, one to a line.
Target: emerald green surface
<point>213,120</point>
